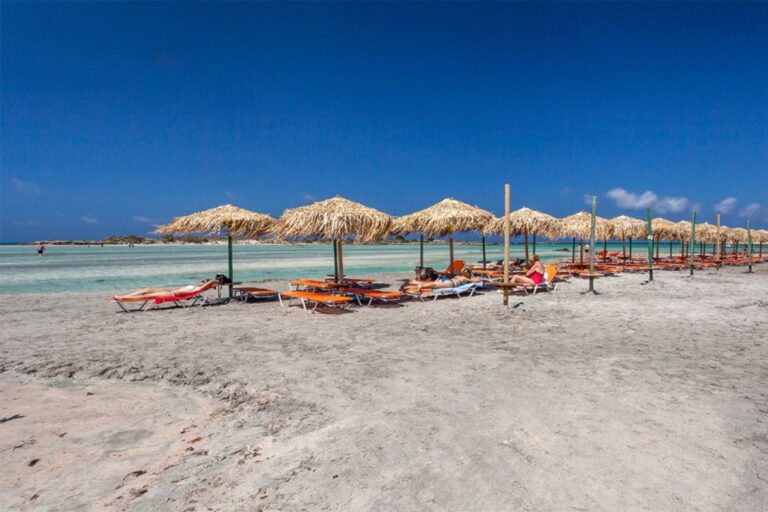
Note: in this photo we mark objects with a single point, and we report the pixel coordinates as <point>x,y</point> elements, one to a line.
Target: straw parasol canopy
<point>444,218</point>
<point>524,221</point>
<point>227,218</point>
<point>579,225</point>
<point>664,229</point>
<point>738,235</point>
<point>706,232</point>
<point>628,227</point>
<point>683,230</point>
<point>334,219</point>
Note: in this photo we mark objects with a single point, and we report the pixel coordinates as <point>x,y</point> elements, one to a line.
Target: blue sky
<point>117,116</point>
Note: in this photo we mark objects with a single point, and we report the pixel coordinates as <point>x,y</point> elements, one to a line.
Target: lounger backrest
<point>550,273</point>
<point>458,266</point>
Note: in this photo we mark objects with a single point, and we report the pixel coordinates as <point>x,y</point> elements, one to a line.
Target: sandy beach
<point>645,397</point>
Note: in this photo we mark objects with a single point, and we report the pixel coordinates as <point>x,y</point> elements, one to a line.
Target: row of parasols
<point>340,219</point>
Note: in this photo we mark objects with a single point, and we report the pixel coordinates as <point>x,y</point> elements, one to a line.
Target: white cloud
<point>631,201</point>
<point>726,206</point>
<point>648,199</point>
<point>309,197</point>
<point>671,204</point>
<point>89,220</point>
<point>26,188</point>
<point>145,220</point>
<point>751,210</point>
<point>588,200</point>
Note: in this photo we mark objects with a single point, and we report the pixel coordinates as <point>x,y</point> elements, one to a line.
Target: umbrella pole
<point>650,247</point>
<point>421,251</point>
<point>527,260</point>
<point>335,262</point>
<point>581,251</point>
<point>506,246</point>
<point>749,250</point>
<point>693,240</point>
<point>450,250</point>
<point>573,251</point>
<point>484,264</point>
<point>630,247</point>
<point>624,248</point>
<point>341,262</point>
<point>592,247</point>
<point>229,254</point>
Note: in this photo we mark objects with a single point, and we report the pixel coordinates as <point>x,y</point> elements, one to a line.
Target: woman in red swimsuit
<point>534,276</point>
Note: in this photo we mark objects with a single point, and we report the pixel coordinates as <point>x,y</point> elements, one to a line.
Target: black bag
<point>222,279</point>
<point>426,274</point>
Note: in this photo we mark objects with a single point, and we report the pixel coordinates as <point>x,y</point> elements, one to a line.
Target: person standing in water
<point>40,249</point>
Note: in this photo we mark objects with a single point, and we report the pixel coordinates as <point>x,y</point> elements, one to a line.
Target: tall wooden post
<point>484,262</point>
<point>527,260</point>
<point>450,249</point>
<point>650,247</point>
<point>749,247</point>
<point>692,249</point>
<point>573,251</point>
<point>592,246</point>
<point>718,242</point>
<point>506,244</point>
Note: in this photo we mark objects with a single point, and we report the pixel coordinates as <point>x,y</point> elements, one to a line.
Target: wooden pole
<point>506,244</point>
<point>630,248</point>
<point>484,263</point>
<point>592,246</point>
<point>229,253</point>
<point>527,260</point>
<point>693,240</point>
<point>335,261</point>
<point>450,249</point>
<point>749,247</point>
<point>421,251</point>
<point>650,247</point>
<point>341,262</point>
<point>573,251</point>
<point>718,242</point>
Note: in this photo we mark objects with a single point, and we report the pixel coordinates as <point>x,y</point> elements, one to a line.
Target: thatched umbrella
<point>444,218</point>
<point>683,234</point>
<point>336,219</point>
<point>229,219</point>
<point>628,228</point>
<point>664,229</point>
<point>526,222</point>
<point>737,236</point>
<point>578,226</point>
<point>706,233</point>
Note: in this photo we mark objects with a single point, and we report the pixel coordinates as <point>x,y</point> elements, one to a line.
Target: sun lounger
<point>306,297</point>
<point>548,284</point>
<point>373,295</point>
<point>309,284</point>
<point>467,288</point>
<point>452,270</point>
<point>244,293</point>
<point>194,298</point>
<point>360,282</point>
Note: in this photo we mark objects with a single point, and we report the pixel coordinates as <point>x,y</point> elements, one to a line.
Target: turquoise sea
<point>122,268</point>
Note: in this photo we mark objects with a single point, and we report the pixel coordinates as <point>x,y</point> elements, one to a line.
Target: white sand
<point>646,397</point>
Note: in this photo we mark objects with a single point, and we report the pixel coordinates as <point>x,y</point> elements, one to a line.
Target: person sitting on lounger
<point>166,293</point>
<point>534,276</point>
<point>443,282</point>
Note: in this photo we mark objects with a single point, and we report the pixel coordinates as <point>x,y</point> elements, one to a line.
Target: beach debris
<point>33,462</point>
<point>196,440</point>
<point>11,418</point>
<point>34,497</point>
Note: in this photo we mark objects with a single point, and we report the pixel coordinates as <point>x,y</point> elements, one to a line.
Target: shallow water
<point>82,268</point>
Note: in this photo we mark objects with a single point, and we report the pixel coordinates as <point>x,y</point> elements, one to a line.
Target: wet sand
<point>645,397</point>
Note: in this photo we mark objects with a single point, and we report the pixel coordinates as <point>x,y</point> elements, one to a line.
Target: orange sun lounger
<point>309,284</point>
<point>244,293</point>
<point>326,299</point>
<point>373,295</point>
